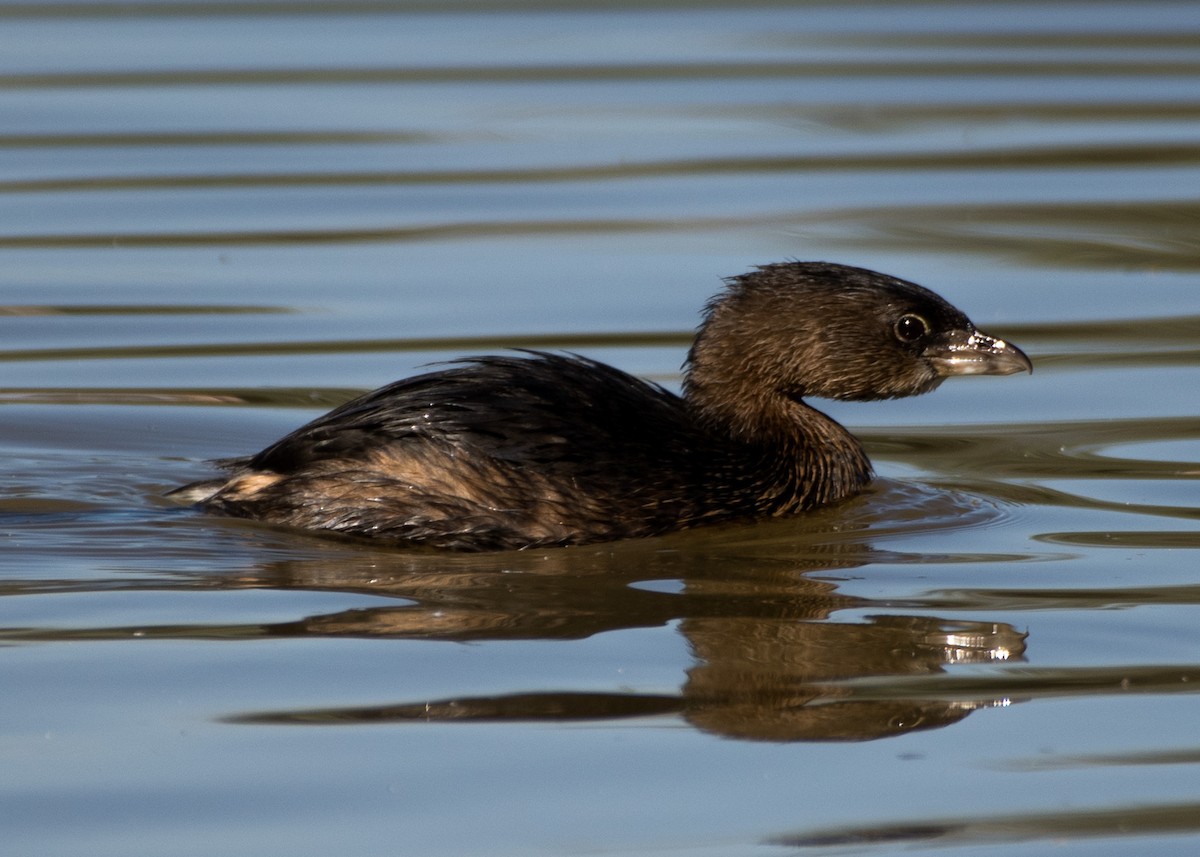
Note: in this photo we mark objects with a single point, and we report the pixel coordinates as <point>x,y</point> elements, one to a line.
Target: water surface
<point>221,219</point>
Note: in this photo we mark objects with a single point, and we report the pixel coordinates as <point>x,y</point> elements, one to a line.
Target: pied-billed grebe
<point>545,449</point>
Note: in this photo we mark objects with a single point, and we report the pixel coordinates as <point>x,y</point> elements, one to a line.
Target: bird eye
<point>911,327</point>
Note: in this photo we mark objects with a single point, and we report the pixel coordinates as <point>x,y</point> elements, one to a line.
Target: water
<point>218,220</point>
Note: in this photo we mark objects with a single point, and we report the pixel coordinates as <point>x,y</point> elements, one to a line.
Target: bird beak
<point>969,352</point>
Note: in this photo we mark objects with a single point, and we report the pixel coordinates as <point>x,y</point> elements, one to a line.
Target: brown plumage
<point>546,449</point>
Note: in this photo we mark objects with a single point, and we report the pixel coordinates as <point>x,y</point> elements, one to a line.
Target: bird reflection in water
<point>771,662</point>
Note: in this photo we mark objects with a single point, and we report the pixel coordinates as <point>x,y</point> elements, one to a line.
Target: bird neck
<point>830,463</point>
<point>796,456</point>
